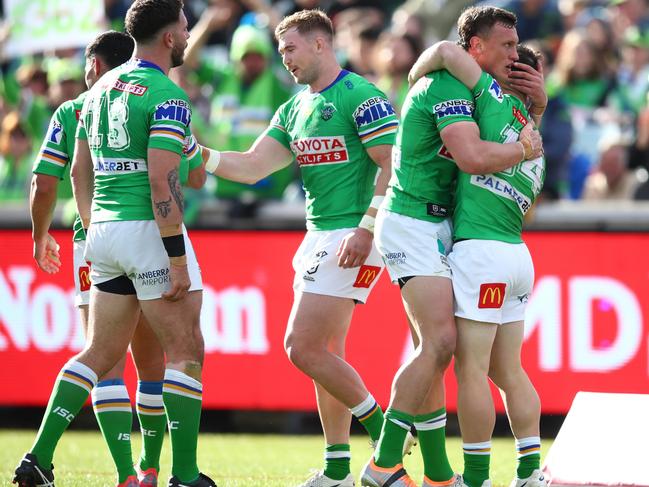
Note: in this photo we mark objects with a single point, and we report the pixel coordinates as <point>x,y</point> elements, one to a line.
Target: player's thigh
<point>147,351</point>
<point>317,319</point>
<point>474,344</point>
<point>412,247</point>
<point>317,272</point>
<point>177,323</point>
<point>429,305</point>
<point>506,350</point>
<point>112,319</point>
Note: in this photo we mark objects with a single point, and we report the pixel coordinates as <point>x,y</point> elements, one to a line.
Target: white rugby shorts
<point>135,249</point>
<point>492,280</point>
<point>317,271</point>
<point>413,247</point>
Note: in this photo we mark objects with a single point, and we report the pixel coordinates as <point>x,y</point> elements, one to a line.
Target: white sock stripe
<point>531,440</point>
<point>178,376</point>
<point>432,424</point>
<point>77,383</point>
<point>81,369</point>
<point>109,392</point>
<point>364,407</point>
<point>401,424</point>
<point>337,454</point>
<point>148,399</point>
<point>483,448</point>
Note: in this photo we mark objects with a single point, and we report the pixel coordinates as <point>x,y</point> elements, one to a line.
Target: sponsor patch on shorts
<point>492,295</point>
<point>366,275</point>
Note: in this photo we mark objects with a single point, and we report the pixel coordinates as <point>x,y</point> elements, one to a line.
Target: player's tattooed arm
<point>163,208</point>
<point>176,189</point>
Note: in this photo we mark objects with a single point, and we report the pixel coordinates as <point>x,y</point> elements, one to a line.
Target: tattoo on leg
<point>163,207</point>
<point>176,190</point>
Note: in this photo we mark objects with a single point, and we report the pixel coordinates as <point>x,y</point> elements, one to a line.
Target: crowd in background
<point>596,65</point>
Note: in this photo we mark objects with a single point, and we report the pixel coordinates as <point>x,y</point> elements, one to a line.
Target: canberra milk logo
<point>453,107</point>
<point>177,110</point>
<point>371,110</point>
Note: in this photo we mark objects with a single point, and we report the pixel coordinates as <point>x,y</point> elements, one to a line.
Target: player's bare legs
<point>314,320</point>
<point>520,398</point>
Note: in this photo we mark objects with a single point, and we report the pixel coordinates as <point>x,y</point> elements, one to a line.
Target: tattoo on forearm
<point>163,208</point>
<point>176,190</point>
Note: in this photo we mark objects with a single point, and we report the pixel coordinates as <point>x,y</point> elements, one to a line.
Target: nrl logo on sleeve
<point>55,132</point>
<point>453,107</point>
<point>177,110</point>
<point>371,110</point>
<point>496,91</point>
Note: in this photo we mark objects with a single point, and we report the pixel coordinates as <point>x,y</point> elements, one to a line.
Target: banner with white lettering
<point>587,323</point>
<point>39,25</point>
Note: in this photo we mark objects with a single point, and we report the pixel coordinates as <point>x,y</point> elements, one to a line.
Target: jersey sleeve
<point>277,128</point>
<point>192,152</point>
<point>373,115</point>
<point>450,100</point>
<point>169,118</point>
<point>53,155</point>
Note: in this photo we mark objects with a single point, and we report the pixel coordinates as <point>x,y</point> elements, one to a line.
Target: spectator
<point>611,179</point>
<point>357,32</point>
<point>15,159</point>
<point>537,19</point>
<point>633,74</point>
<point>394,56</point>
<point>33,105</point>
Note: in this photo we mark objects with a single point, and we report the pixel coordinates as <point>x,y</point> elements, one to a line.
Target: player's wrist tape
<point>376,201</point>
<point>367,222</point>
<point>537,110</point>
<point>527,148</point>
<point>174,245</point>
<point>213,161</point>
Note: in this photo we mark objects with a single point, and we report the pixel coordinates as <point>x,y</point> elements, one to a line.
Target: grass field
<point>82,459</point>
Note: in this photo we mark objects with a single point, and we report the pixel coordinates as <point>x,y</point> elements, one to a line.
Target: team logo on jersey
<point>55,132</point>
<point>349,85</point>
<point>496,91</point>
<point>453,107</point>
<point>133,89</point>
<point>327,111</point>
<point>320,150</point>
<point>366,275</point>
<point>177,110</point>
<point>371,110</point>
<point>492,295</point>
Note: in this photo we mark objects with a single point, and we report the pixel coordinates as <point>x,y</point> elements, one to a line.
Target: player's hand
<point>46,254</point>
<point>417,71</point>
<point>180,282</point>
<point>533,136</point>
<point>530,82</point>
<point>354,248</point>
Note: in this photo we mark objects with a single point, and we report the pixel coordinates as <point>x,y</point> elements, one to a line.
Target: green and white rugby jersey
<point>55,155</point>
<point>423,171</point>
<point>131,109</point>
<point>492,206</point>
<point>329,132</point>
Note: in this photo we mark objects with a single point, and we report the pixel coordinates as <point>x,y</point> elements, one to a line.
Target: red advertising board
<point>586,328</point>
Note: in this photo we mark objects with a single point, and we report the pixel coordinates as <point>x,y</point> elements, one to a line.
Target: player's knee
<point>300,353</point>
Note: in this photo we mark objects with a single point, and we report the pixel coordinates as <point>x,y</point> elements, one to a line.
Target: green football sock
<point>182,398</point>
<point>337,458</point>
<point>431,433</point>
<point>153,422</point>
<point>70,391</point>
<point>476,463</point>
<point>115,417</point>
<point>396,425</point>
<point>529,456</point>
<point>370,415</point>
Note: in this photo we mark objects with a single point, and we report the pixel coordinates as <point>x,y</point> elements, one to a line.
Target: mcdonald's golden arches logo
<point>84,278</point>
<point>492,295</point>
<point>366,275</point>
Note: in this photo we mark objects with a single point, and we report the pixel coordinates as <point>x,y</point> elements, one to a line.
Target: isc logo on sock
<point>64,413</point>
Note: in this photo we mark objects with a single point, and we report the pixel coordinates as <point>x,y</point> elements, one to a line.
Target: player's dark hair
<point>145,18</point>
<point>527,56</point>
<point>113,47</point>
<point>478,21</point>
<point>306,21</point>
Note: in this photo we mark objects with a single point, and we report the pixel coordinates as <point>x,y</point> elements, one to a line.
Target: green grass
<point>232,460</point>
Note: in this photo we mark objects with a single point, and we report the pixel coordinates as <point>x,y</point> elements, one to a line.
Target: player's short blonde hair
<point>306,21</point>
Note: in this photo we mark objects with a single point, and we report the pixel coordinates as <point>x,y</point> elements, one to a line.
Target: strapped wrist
<point>367,222</point>
<point>174,245</point>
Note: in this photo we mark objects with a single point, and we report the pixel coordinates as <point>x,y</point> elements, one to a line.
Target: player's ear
<point>96,66</point>
<point>475,44</point>
<point>168,39</point>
